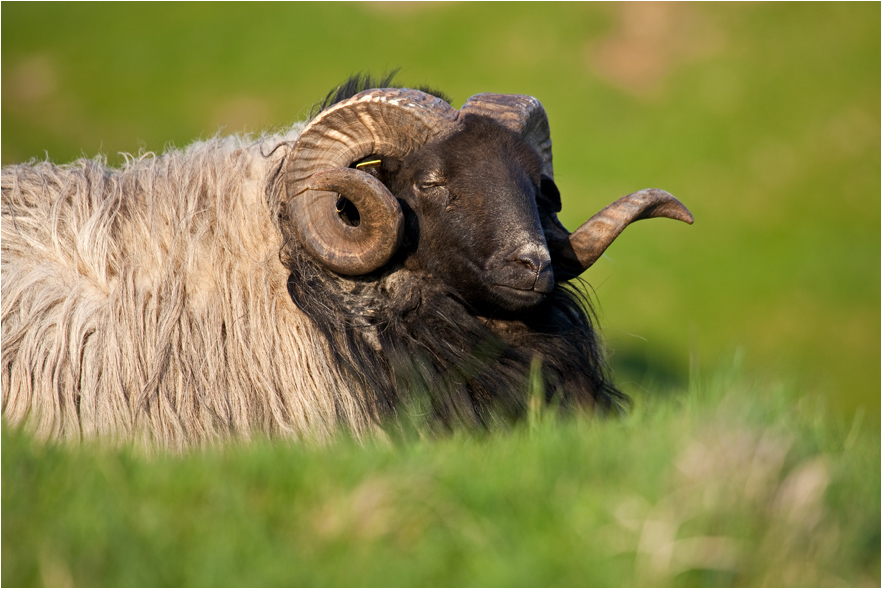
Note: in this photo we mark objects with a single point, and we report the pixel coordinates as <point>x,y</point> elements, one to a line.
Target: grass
<point>728,483</point>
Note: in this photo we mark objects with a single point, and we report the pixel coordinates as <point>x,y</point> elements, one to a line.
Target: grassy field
<point>728,483</point>
<point>763,118</point>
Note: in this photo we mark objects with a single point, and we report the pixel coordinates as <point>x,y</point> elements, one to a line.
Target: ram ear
<point>549,195</point>
<point>372,165</point>
<point>556,236</point>
<point>383,168</point>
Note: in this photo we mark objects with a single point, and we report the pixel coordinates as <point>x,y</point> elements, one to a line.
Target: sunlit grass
<point>730,483</point>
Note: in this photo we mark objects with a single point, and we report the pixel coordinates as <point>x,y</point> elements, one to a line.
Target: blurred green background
<point>762,118</point>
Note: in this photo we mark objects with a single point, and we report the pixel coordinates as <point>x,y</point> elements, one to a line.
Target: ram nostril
<point>534,260</point>
<point>537,261</point>
<point>531,261</point>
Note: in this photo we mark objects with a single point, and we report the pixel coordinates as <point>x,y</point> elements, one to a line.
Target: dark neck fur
<point>412,342</point>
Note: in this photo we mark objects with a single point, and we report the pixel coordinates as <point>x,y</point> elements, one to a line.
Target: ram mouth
<point>530,289</point>
<point>514,298</point>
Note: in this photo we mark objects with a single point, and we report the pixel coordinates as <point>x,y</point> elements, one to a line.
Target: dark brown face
<point>470,208</point>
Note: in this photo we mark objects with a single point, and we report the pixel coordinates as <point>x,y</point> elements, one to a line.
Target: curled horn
<point>386,122</point>
<point>572,253</point>
<point>522,114</point>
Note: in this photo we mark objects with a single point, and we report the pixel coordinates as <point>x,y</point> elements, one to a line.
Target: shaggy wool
<point>149,302</point>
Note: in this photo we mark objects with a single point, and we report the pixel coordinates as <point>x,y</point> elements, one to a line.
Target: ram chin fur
<point>421,349</point>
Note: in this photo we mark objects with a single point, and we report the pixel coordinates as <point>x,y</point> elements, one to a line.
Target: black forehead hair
<point>479,131</point>
<point>364,81</point>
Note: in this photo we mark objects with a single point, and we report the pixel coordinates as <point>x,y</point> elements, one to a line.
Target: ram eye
<point>430,180</point>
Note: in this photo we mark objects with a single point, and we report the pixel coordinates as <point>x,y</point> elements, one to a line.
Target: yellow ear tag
<point>370,163</point>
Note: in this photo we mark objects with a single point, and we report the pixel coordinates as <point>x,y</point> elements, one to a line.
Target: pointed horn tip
<point>666,205</point>
<point>678,212</point>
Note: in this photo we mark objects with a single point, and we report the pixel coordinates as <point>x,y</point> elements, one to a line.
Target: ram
<point>392,258</point>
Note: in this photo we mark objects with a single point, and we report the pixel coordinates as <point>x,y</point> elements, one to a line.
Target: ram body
<point>236,286</point>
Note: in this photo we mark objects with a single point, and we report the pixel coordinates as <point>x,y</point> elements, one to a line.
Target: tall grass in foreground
<point>726,484</point>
